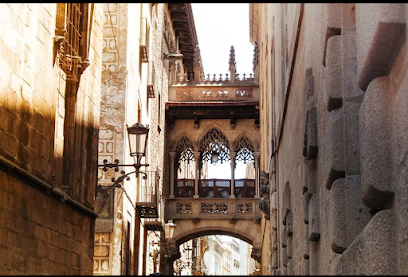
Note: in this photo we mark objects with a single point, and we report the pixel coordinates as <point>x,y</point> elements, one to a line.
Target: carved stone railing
<point>214,78</point>
<point>214,92</point>
<point>215,208</point>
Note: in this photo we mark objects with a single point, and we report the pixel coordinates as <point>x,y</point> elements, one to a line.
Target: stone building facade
<point>333,84</point>
<point>123,103</point>
<point>136,67</point>
<point>49,91</point>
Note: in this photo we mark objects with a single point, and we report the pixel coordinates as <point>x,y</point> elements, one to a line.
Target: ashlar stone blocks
<point>375,143</point>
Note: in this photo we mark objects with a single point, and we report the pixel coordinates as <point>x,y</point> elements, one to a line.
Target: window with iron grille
<point>72,38</point>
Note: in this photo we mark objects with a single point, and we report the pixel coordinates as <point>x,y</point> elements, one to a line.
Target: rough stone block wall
<point>356,180</point>
<point>44,229</point>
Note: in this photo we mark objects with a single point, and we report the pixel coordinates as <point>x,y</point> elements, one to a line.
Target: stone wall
<point>340,126</point>
<point>40,234</point>
<point>45,227</point>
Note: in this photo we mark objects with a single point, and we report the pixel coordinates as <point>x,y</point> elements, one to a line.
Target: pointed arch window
<point>244,149</point>
<point>215,143</point>
<point>185,170</point>
<point>185,149</point>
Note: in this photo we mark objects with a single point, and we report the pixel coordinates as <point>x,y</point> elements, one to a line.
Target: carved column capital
<point>196,155</point>
<point>172,155</point>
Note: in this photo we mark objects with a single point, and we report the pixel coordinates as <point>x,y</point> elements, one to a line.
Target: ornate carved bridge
<point>210,121</point>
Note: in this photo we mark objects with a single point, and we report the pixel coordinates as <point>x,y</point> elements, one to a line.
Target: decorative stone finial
<point>232,57</point>
<point>197,64</point>
<point>232,65</point>
<point>256,61</point>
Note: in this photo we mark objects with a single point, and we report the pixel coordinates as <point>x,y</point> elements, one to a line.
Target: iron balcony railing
<point>215,188</point>
<point>148,202</point>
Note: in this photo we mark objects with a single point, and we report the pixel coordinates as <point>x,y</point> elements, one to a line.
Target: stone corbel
<point>256,254</point>
<point>232,122</point>
<point>233,219</point>
<point>196,123</point>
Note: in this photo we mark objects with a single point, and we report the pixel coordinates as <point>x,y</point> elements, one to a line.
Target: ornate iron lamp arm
<point>116,182</point>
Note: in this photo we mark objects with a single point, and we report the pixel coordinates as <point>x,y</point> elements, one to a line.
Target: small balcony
<point>215,188</point>
<point>147,204</point>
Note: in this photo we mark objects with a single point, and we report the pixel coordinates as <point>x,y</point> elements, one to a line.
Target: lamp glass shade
<point>138,139</point>
<point>214,157</point>
<point>169,229</point>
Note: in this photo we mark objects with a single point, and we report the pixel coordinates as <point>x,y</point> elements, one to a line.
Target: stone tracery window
<point>215,142</point>
<point>244,149</point>
<point>185,149</point>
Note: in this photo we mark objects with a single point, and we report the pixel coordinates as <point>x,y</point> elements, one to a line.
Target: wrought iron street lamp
<point>138,134</point>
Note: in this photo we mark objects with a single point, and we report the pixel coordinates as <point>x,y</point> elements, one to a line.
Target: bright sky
<point>219,26</point>
<point>223,171</point>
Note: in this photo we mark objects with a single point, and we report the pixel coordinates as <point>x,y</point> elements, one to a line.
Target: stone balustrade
<point>214,208</point>
<point>223,91</point>
<point>214,78</point>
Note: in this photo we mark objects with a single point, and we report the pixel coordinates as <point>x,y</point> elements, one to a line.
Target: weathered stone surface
<point>289,224</point>
<point>333,24</point>
<point>290,270</point>
<point>312,138</point>
<point>379,31</point>
<point>348,213</point>
<point>375,145</point>
<point>334,73</point>
<point>289,233</point>
<point>314,258</point>
<point>285,258</point>
<point>314,218</point>
<point>306,200</point>
<point>310,170</point>
<point>401,172</point>
<point>284,237</point>
<point>306,243</point>
<point>274,205</point>
<point>358,215</point>
<point>290,247</point>
<point>361,54</point>
<point>373,252</point>
<point>334,167</point>
<point>351,108</point>
<point>338,214</point>
<point>286,205</point>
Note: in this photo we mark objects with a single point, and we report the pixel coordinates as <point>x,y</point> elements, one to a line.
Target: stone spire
<point>232,66</point>
<point>256,61</point>
<point>197,67</point>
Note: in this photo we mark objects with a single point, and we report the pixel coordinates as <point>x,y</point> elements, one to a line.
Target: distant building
<point>228,256</point>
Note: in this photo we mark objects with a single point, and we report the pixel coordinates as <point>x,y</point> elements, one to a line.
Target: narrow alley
<point>121,155</point>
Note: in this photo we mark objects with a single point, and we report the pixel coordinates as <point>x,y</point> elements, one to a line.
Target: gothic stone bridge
<point>213,120</point>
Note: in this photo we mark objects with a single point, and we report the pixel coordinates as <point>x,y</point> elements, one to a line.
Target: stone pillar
<point>171,254</point>
<point>232,155</point>
<point>172,156</point>
<point>197,173</point>
<point>256,156</point>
